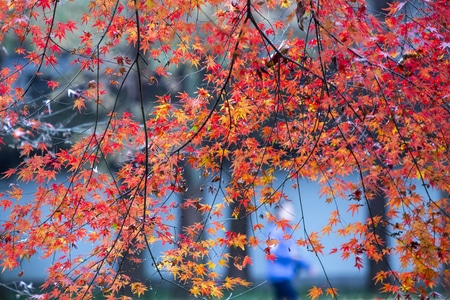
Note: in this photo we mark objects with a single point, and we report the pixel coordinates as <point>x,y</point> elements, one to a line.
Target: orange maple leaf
<point>79,104</point>
<point>331,292</point>
<point>315,292</point>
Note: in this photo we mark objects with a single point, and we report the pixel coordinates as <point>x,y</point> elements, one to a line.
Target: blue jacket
<point>288,263</point>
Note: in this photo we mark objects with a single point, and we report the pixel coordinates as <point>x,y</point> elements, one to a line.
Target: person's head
<point>286,211</point>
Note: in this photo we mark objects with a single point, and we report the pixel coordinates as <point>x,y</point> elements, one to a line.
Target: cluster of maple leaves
<point>350,94</point>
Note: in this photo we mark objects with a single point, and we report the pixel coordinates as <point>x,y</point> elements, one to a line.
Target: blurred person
<point>288,263</point>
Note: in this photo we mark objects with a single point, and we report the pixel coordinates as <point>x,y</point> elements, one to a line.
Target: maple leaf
<point>70,25</point>
<point>78,103</point>
<point>354,208</point>
<point>9,173</point>
<point>51,60</point>
<point>20,51</point>
<point>138,288</point>
<point>283,224</point>
<point>26,149</point>
<point>5,204</point>
<point>315,292</point>
<point>358,262</point>
<point>195,290</point>
<point>253,241</point>
<point>269,255</point>
<point>380,276</point>
<point>8,264</point>
<point>52,84</point>
<point>247,261</point>
<point>395,7</point>
<point>44,4</point>
<point>332,292</point>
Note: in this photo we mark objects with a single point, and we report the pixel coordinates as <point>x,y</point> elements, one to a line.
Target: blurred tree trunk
<point>135,270</point>
<point>377,206</point>
<point>190,215</point>
<point>129,267</point>
<point>240,226</point>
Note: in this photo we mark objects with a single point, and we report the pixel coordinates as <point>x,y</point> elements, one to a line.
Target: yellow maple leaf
<point>285,3</point>
<point>195,291</point>
<point>239,241</point>
<point>223,262</point>
<point>138,288</point>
